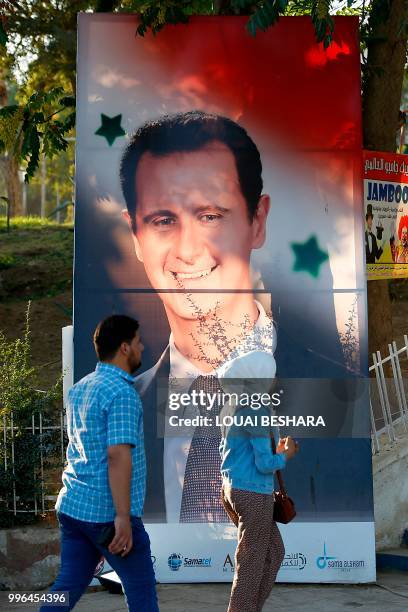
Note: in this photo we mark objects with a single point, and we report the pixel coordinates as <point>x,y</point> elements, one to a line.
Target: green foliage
<point>21,403</point>
<point>11,118</point>
<point>106,6</point>
<point>263,13</point>
<point>266,15</point>
<point>155,15</point>
<point>39,126</point>
<point>42,42</point>
<point>241,4</point>
<point>18,380</point>
<point>3,35</point>
<point>323,23</point>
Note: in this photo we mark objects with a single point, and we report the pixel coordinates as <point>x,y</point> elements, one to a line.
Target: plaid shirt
<point>103,409</point>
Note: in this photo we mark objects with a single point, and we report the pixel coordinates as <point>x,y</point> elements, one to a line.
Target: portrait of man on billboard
<point>193,188</point>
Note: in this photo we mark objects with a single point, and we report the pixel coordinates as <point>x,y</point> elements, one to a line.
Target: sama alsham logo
<point>321,562</point>
<point>345,565</point>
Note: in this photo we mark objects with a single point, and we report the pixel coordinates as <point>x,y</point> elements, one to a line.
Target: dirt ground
<point>36,266</point>
<point>400,322</point>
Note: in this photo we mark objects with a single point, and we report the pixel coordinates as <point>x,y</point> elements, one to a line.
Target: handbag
<point>284,507</point>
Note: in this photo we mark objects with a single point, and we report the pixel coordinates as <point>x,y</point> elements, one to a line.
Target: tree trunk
<point>382,88</point>
<point>13,186</point>
<point>10,166</point>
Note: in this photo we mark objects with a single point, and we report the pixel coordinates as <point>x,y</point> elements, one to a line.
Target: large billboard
<point>219,200</point>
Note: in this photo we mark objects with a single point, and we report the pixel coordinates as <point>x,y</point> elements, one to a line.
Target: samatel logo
<point>176,560</point>
<point>197,562</point>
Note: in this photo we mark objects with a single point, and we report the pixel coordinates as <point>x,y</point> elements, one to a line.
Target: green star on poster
<point>309,257</point>
<point>111,128</point>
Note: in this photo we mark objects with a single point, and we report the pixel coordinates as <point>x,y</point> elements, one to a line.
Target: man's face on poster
<point>193,229</point>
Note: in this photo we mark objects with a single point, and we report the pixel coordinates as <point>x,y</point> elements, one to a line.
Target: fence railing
<point>388,396</point>
<point>32,458</point>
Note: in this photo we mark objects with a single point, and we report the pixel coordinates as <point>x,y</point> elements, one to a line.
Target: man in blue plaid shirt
<point>100,505</point>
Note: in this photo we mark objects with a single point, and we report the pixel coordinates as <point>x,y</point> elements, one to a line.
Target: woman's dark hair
<point>187,132</point>
<point>111,332</point>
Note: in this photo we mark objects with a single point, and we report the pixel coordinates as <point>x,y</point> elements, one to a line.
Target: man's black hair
<point>111,332</point>
<point>187,132</point>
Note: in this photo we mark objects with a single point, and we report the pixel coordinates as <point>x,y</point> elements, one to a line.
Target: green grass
<point>19,223</point>
<point>7,261</point>
<point>35,259</point>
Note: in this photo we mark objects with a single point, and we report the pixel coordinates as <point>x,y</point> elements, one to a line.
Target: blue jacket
<point>247,460</point>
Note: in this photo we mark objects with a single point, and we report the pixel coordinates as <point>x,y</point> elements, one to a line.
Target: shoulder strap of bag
<point>278,472</point>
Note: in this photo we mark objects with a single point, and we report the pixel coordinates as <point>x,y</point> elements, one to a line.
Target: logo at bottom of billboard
<point>294,561</point>
<point>329,562</point>
<point>176,561</point>
<point>228,565</point>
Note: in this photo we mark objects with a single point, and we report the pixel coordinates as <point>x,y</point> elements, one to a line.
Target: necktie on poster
<point>201,502</point>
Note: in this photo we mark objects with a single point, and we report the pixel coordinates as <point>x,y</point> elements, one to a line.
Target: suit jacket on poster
<point>375,253</point>
<point>154,410</point>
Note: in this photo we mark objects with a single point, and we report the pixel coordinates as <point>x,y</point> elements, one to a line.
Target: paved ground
<point>285,598</point>
<point>390,594</point>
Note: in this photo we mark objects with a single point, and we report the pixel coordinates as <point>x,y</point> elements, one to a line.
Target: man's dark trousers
<point>80,555</point>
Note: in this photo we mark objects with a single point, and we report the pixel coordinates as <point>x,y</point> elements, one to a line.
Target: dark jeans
<point>80,554</point>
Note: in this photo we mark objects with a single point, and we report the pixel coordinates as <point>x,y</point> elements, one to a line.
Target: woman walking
<point>247,467</point>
